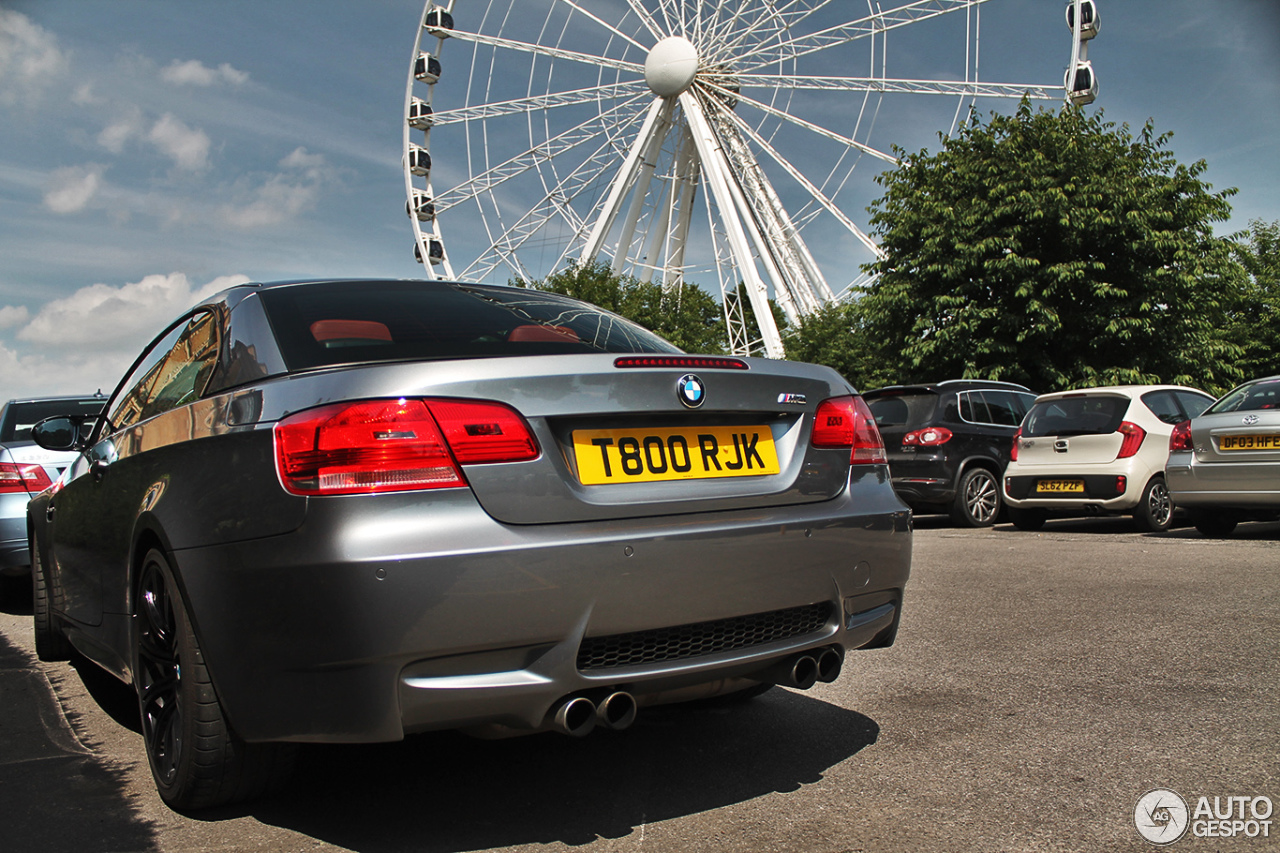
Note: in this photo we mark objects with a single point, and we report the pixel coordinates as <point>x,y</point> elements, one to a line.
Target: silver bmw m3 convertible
<point>344,511</point>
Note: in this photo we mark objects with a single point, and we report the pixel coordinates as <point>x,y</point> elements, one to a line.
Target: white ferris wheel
<point>707,141</point>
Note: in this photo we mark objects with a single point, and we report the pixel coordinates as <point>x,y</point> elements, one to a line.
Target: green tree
<point>837,336</point>
<point>688,316</point>
<point>1055,250</point>
<point>1255,322</point>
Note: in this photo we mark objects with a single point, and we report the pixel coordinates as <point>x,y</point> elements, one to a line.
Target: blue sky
<point>154,151</point>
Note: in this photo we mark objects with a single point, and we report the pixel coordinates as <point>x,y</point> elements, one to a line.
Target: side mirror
<point>63,432</point>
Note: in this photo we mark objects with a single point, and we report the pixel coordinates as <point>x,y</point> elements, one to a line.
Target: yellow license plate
<point>1060,486</point>
<point>645,455</point>
<point>1249,442</point>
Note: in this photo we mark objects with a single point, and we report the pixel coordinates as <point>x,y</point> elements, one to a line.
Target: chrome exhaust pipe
<point>800,672</point>
<point>830,662</point>
<point>616,711</point>
<point>803,672</point>
<point>576,717</point>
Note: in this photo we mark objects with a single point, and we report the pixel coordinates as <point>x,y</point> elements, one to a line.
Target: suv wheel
<point>977,500</point>
<point>1030,518</point>
<point>1155,510</point>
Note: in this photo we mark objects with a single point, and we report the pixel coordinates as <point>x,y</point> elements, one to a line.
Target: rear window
<point>1075,416</point>
<point>903,410</point>
<point>349,322</point>
<point>19,418</point>
<point>1249,398</point>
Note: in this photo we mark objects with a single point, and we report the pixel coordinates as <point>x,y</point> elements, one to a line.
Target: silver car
<point>27,469</point>
<point>1224,466</point>
<point>345,511</point>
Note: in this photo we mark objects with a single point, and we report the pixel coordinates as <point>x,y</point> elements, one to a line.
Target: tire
<point>1029,519</point>
<point>1215,525</point>
<point>1155,510</point>
<point>51,643</point>
<point>977,502</point>
<point>196,760</point>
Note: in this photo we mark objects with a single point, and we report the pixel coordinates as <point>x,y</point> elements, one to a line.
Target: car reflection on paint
<point>344,511</point>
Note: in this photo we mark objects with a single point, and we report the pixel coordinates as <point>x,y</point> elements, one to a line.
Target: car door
<point>93,515</point>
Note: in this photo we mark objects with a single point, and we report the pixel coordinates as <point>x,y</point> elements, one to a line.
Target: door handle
<point>48,512</point>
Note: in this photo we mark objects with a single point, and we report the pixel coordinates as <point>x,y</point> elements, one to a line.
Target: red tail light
<point>1180,438</point>
<point>927,437</point>
<point>847,422</point>
<point>22,478</point>
<point>1013,451</point>
<point>395,445</point>
<point>1133,436</point>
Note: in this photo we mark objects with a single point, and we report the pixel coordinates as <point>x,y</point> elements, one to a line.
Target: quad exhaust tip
<point>577,716</point>
<point>616,711</point>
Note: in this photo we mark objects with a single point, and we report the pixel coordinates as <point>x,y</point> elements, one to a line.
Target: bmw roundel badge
<point>691,391</point>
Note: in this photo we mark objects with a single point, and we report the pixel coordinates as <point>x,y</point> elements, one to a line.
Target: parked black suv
<point>948,443</point>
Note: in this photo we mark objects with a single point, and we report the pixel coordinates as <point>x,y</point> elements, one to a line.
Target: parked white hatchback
<point>1097,451</point>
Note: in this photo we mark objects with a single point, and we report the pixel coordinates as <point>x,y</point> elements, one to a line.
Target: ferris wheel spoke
<point>607,26</point>
<point>557,201</point>
<point>885,85</point>
<point>810,126</point>
<point>645,18</point>
<point>548,52</point>
<point>814,191</point>
<point>591,95</point>
<point>612,121</point>
<point>871,25</point>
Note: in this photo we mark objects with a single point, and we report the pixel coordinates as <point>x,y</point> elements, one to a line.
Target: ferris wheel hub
<point>670,67</point>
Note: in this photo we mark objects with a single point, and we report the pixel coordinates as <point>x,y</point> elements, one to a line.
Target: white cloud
<point>73,187</point>
<point>300,159</point>
<point>101,316</point>
<point>187,147</point>
<point>193,72</point>
<point>282,196</point>
<point>29,57</point>
<point>87,340</point>
<point>128,125</point>
<point>11,316</point>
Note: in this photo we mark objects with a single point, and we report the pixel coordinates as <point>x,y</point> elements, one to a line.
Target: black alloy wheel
<point>977,502</point>
<point>196,760</point>
<point>1155,510</point>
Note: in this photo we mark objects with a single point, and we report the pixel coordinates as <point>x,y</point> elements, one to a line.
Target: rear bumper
<point>15,558</point>
<point>1223,485</point>
<point>379,618</point>
<point>1100,489</point>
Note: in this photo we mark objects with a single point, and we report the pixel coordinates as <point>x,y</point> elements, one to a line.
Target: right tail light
<point>847,422</point>
<point>22,478</point>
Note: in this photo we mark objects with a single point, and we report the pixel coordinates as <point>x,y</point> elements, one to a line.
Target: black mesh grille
<point>700,638</point>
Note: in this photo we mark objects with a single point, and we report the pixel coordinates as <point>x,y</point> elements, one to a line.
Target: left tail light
<point>1133,436</point>
<point>1013,451</point>
<point>395,445</point>
<point>847,422</point>
<point>1180,438</point>
<point>27,478</point>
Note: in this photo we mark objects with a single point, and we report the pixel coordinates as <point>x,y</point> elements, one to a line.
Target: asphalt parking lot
<point>1041,684</point>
